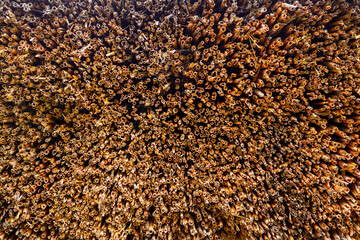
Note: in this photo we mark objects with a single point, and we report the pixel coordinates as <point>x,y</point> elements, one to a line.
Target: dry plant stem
<point>185,119</point>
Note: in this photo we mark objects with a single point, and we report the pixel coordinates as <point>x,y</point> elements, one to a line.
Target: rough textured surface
<point>179,119</point>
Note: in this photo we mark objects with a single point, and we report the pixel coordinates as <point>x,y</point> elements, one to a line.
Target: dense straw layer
<point>179,119</point>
